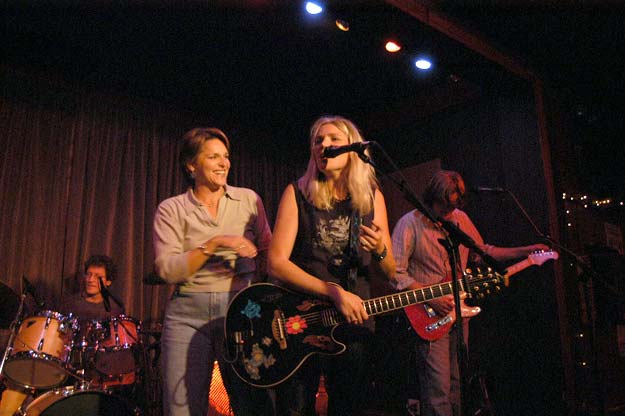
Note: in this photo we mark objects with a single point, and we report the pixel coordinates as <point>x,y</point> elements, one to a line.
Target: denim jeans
<point>438,372</point>
<point>193,338</point>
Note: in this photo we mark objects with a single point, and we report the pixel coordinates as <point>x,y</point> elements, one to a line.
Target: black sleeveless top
<point>322,244</point>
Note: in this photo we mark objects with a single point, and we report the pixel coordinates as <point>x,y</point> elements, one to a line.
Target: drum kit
<point>92,368</point>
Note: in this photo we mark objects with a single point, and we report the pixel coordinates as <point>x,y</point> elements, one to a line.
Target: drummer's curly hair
<point>101,260</point>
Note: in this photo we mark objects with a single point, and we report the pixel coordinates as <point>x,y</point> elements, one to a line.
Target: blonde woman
<point>331,232</point>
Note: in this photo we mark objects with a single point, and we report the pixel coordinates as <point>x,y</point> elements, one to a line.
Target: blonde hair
<point>359,177</point>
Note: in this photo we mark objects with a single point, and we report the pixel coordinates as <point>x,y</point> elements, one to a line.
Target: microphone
<point>334,151</point>
<point>478,189</point>
<point>105,295</point>
<point>29,288</point>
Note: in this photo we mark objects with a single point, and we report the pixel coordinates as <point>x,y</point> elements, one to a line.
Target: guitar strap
<point>354,237</point>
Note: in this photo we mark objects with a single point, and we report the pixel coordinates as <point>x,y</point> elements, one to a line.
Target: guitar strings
<point>376,304</point>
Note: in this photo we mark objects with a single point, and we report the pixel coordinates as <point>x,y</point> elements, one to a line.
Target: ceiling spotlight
<point>392,46</point>
<point>313,8</point>
<point>423,64</point>
<point>342,25</point>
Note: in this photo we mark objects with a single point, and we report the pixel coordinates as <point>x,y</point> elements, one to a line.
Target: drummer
<point>92,303</point>
<point>92,306</point>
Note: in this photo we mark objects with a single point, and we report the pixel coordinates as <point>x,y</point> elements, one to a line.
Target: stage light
<point>392,46</point>
<point>313,8</point>
<point>423,64</point>
<point>342,25</point>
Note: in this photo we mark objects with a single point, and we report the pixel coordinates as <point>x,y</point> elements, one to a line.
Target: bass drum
<point>70,401</point>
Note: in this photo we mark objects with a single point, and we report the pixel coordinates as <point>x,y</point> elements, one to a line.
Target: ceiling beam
<point>424,10</point>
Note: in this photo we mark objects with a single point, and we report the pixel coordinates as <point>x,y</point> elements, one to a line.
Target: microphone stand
<point>15,324</point>
<point>106,294</point>
<point>29,288</point>
<point>453,237</point>
<point>590,275</point>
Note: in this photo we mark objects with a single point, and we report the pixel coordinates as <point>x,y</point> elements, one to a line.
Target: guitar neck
<point>515,268</point>
<point>384,304</point>
<point>401,300</point>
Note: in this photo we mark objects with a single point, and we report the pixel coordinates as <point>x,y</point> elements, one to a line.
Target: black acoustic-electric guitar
<point>270,331</point>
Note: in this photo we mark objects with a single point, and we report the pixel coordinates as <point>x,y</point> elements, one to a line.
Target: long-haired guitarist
<point>421,261</point>
<point>330,228</point>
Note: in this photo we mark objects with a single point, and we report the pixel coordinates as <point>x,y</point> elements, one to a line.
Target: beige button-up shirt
<point>182,223</point>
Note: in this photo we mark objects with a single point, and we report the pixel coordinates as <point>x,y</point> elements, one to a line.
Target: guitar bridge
<point>441,322</point>
<point>238,341</point>
<point>277,329</point>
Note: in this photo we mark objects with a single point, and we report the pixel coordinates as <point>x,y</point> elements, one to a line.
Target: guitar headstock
<point>539,257</point>
<point>482,282</point>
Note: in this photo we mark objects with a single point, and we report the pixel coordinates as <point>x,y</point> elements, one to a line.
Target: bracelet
<point>379,257</point>
<point>204,249</point>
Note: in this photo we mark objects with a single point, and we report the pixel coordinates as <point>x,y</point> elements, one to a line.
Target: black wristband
<point>379,257</point>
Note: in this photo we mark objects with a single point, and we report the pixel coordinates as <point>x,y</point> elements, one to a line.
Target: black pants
<point>347,378</point>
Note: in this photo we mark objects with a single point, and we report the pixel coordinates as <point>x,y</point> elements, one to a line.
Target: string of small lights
<point>587,202</point>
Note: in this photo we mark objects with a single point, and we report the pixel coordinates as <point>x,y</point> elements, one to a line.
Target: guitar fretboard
<point>389,303</point>
<point>400,300</point>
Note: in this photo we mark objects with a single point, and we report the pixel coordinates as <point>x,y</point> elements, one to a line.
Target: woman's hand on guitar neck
<point>348,304</point>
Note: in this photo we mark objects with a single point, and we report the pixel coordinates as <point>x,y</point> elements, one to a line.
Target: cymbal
<point>9,303</point>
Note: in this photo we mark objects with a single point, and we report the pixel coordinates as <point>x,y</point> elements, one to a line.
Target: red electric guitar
<point>431,326</point>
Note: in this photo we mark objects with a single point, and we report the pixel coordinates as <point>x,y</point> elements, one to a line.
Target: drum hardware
<point>108,352</point>
<point>37,356</point>
<point>156,347</point>
<point>29,288</point>
<point>9,306</point>
<point>39,352</point>
<point>115,354</point>
<point>18,309</point>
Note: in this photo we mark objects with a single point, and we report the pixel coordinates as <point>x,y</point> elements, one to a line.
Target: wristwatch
<point>379,257</point>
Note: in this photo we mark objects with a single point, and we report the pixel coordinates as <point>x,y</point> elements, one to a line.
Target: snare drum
<point>71,401</point>
<point>40,351</point>
<point>115,355</point>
